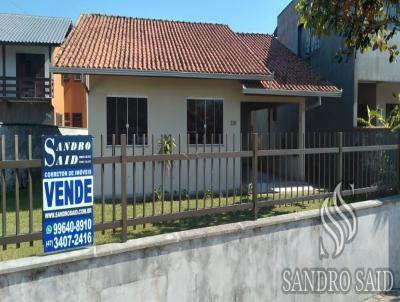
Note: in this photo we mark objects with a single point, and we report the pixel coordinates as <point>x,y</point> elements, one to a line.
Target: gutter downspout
<point>315,105</point>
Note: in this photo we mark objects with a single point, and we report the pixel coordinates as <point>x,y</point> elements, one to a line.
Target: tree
<point>363,24</point>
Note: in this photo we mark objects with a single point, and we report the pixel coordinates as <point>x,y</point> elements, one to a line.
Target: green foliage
<point>248,191</point>
<point>158,194</point>
<point>166,145</point>
<point>362,24</point>
<point>376,119</point>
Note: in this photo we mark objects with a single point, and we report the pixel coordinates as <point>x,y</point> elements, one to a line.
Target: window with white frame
<point>127,115</point>
<point>205,121</point>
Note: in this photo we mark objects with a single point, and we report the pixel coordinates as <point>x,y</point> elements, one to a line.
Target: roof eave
<point>156,73</point>
<point>30,43</point>
<point>282,92</point>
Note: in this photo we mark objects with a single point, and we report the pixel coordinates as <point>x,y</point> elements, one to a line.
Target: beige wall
<point>166,99</point>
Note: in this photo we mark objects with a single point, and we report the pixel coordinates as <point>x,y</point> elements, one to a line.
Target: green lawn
<point>140,231</point>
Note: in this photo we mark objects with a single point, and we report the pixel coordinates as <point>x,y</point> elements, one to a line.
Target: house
<point>202,81</point>
<point>70,106</point>
<point>26,51</point>
<point>367,79</point>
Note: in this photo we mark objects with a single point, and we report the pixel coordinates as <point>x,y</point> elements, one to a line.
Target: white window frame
<point>223,115</point>
<point>127,97</point>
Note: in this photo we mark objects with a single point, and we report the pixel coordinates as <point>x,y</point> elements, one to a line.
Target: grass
<point>26,250</point>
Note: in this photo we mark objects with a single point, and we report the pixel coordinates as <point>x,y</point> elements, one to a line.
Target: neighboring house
<point>70,106</point>
<point>27,44</point>
<point>368,79</point>
<point>151,77</point>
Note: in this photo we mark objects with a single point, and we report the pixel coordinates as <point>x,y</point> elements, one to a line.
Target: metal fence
<point>166,179</point>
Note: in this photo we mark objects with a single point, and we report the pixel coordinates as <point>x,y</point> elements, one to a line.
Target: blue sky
<point>242,16</point>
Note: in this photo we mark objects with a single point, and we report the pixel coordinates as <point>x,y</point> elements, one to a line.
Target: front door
<point>30,75</point>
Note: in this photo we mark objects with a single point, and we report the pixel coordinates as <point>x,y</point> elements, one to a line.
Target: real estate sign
<point>67,180</point>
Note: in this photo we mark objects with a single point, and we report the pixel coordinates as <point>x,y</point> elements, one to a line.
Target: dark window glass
<point>200,121</point>
<point>219,122</point>
<point>191,121</point>
<point>142,121</point>
<point>204,120</point>
<point>126,116</point>
<point>122,116</point>
<point>132,118</point>
<point>77,120</point>
<point>111,118</point>
<point>363,111</point>
<point>67,119</point>
<point>210,121</point>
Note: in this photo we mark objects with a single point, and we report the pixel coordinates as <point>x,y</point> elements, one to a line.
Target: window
<point>393,10</point>
<point>126,115</point>
<point>59,120</point>
<point>77,120</point>
<point>65,77</point>
<point>205,119</point>
<point>30,68</point>
<point>78,77</point>
<point>308,43</point>
<point>67,119</point>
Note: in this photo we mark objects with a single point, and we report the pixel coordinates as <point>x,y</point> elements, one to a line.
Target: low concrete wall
<point>73,131</point>
<point>236,262</point>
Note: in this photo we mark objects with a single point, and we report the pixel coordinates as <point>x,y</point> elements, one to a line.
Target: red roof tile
<point>290,72</point>
<point>111,42</point>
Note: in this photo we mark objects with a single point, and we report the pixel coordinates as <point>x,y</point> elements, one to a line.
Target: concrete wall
<point>167,114</point>
<point>26,112</point>
<point>372,66</point>
<point>375,66</point>
<point>236,262</point>
<point>288,27</point>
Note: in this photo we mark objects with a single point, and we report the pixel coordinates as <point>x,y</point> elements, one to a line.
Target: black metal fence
<point>168,179</point>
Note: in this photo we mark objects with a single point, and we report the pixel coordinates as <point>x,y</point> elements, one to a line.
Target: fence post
<point>124,212</point>
<point>254,174</point>
<point>339,176</point>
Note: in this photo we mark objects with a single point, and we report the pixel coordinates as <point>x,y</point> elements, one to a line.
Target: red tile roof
<point>290,72</point>
<point>123,43</point>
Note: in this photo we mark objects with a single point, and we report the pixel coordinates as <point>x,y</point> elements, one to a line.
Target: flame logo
<point>339,222</point>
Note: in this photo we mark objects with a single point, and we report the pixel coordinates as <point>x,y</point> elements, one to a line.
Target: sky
<point>242,16</point>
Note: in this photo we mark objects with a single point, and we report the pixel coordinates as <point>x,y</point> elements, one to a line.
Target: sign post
<point>67,182</point>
